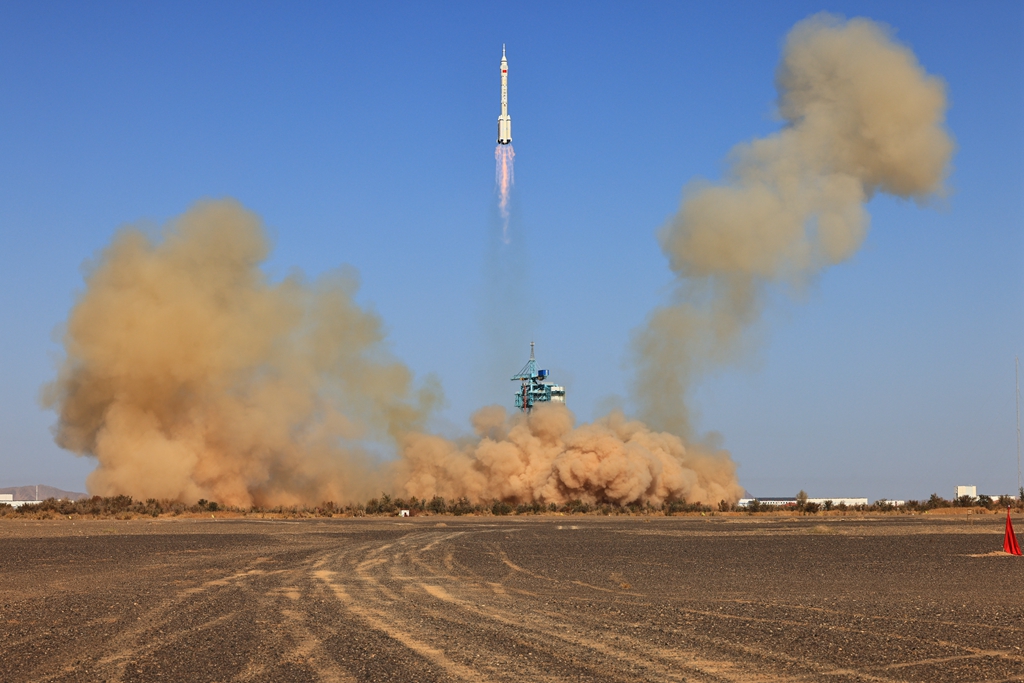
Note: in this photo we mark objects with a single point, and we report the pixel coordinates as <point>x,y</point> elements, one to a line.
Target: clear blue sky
<point>364,134</point>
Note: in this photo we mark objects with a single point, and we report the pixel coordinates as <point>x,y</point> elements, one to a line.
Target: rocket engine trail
<point>504,176</point>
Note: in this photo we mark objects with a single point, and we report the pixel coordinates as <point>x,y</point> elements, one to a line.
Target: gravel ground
<point>511,599</point>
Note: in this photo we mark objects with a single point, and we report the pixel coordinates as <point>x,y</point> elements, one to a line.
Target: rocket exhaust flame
<point>504,177</point>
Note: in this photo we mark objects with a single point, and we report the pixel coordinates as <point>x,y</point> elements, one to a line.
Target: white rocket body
<point>504,121</point>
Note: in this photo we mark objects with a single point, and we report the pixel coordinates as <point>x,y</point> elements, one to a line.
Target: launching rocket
<point>504,121</point>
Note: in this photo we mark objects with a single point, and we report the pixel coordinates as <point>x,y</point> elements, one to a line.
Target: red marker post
<point>1010,540</point>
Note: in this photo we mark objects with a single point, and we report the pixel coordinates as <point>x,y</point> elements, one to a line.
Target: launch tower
<point>533,388</point>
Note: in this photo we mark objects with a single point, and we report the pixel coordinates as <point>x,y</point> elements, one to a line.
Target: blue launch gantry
<point>534,389</point>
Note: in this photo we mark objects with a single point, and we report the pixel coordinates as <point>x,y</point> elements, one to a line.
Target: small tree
<point>386,505</point>
<point>801,499</point>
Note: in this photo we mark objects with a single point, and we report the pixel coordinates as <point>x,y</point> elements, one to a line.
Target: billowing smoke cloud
<point>543,457</point>
<point>861,116</point>
<point>188,375</point>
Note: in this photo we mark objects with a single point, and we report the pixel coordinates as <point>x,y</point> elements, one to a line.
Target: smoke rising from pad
<point>188,375</point>
<point>861,116</point>
<point>543,457</point>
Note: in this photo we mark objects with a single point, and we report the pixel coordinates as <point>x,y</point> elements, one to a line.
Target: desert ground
<point>574,598</point>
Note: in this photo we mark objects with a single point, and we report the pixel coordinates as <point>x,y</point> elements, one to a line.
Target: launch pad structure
<point>534,389</point>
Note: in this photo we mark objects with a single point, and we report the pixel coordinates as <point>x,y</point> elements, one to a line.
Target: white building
<point>8,499</point>
<point>772,502</point>
<point>962,491</point>
<point>848,502</point>
<point>787,502</point>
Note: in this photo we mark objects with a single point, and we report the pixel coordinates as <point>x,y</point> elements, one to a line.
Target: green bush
<point>576,506</point>
<point>462,506</point>
<point>677,506</point>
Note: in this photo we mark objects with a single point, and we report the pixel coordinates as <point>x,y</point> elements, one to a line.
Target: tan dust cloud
<point>189,375</point>
<point>861,116</point>
<point>543,457</point>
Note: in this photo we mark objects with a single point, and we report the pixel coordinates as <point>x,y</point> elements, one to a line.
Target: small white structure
<point>848,502</point>
<point>894,503</point>
<point>772,502</point>
<point>962,491</point>
<point>792,502</point>
<point>403,513</point>
<point>8,499</point>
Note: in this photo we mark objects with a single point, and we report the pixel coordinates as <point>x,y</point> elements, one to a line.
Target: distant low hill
<point>44,492</point>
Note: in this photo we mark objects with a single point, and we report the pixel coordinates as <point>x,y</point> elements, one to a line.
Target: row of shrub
<point>934,502</point>
<point>986,502</point>
<point>110,506</point>
<point>124,507</point>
